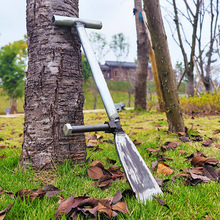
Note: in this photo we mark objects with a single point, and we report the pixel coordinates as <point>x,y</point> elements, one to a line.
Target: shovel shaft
<point>97,73</point>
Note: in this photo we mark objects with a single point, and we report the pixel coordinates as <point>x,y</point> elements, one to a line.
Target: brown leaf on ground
<point>98,163</point>
<point>97,149</point>
<point>138,128</point>
<point>116,172</point>
<point>207,217</point>
<point>217,145</point>
<point>216,131</point>
<point>95,172</point>
<point>196,154</point>
<point>182,151</point>
<point>105,181</point>
<point>51,190</point>
<point>91,144</point>
<point>120,207</point>
<point>65,207</point>
<point>12,131</point>
<point>26,194</point>
<point>162,202</point>
<point>197,138</point>
<point>181,133</point>
<point>157,125</point>
<point>207,143</point>
<point>137,143</point>
<point>160,182</point>
<point>2,156</point>
<point>117,197</point>
<point>198,161</point>
<point>109,141</point>
<point>153,149</point>
<point>210,172</point>
<point>200,177</point>
<point>184,139</point>
<point>132,133</point>
<point>164,169</point>
<point>169,146</point>
<point>196,170</point>
<point>5,211</point>
<point>2,191</point>
<point>211,161</point>
<point>2,146</point>
<point>111,160</point>
<point>104,209</point>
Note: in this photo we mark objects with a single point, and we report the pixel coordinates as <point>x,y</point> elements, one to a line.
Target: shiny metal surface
<point>139,176</point>
<point>97,73</point>
<point>70,21</point>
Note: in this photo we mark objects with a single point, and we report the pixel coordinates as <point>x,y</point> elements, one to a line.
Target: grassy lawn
<point>149,128</point>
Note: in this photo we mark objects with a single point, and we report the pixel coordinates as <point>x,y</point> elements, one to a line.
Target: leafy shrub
<point>205,103</point>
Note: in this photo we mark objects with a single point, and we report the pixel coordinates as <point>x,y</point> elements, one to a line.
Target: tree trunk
<point>14,106</point>
<point>154,66</point>
<point>142,60</point>
<point>53,91</point>
<point>165,70</point>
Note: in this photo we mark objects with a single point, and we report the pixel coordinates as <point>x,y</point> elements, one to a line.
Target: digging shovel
<point>138,175</point>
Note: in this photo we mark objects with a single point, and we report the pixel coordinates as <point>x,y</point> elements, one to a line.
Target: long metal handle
<point>69,129</point>
<point>97,73</point>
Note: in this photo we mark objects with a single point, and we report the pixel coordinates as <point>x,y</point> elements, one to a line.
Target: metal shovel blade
<point>139,176</point>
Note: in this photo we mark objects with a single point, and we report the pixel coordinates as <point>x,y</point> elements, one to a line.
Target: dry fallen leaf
<point>51,190</point>
<point>210,172</point>
<point>216,131</point>
<point>95,172</point>
<point>198,161</point>
<point>120,207</point>
<point>217,145</point>
<point>182,151</point>
<point>2,146</point>
<point>153,149</point>
<point>164,169</point>
<point>5,211</point>
<point>162,202</point>
<point>137,143</point>
<point>207,143</point>
<point>184,139</point>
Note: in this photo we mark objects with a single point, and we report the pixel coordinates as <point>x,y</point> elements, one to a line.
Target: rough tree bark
<point>142,60</point>
<point>154,66</point>
<point>165,70</point>
<point>53,92</point>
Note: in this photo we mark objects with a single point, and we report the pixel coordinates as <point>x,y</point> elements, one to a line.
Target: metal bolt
<point>67,129</point>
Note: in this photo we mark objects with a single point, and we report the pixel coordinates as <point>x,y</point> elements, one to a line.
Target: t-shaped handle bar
<point>70,21</point>
<point>101,84</point>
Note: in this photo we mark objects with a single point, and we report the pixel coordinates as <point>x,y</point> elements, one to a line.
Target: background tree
<point>100,45</point>
<point>12,69</point>
<point>209,53</point>
<point>53,91</point>
<point>120,47</point>
<point>101,49</point>
<point>142,58</point>
<point>86,71</point>
<point>203,17</point>
<point>188,63</point>
<point>165,70</point>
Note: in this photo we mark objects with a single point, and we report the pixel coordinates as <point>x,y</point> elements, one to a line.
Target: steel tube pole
<point>97,73</point>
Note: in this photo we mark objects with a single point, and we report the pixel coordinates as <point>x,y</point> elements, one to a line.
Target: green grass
<point>185,202</point>
<point>119,91</point>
